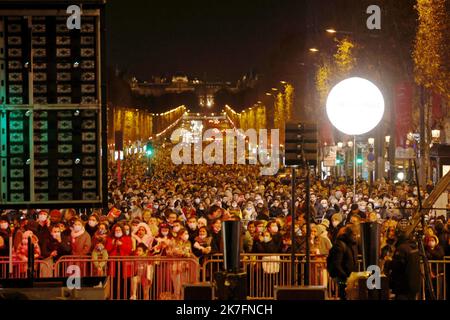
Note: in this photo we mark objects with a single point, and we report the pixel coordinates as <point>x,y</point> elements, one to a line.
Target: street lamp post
<point>355,106</point>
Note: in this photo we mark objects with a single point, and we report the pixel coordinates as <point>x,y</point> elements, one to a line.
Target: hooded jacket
<point>147,239</point>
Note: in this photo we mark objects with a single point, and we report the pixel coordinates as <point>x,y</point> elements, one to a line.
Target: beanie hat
<point>326,223</point>
<point>56,213</point>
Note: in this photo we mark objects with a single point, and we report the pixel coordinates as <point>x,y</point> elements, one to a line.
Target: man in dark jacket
<point>404,269</point>
<point>342,260</point>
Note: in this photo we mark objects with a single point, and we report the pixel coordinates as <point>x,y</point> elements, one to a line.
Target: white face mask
<point>42,217</point>
<point>266,239</point>
<point>176,229</point>
<point>77,228</point>
<point>164,233</point>
<point>192,225</point>
<point>92,223</point>
<point>202,236</point>
<point>185,237</point>
<point>274,229</point>
<point>118,234</point>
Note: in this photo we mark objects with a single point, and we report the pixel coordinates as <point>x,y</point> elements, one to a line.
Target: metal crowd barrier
<point>136,278</point>
<point>162,278</point>
<point>440,270</point>
<point>19,269</point>
<point>264,271</point>
<point>149,278</point>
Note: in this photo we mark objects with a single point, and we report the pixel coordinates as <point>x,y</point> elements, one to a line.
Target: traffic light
<point>149,150</point>
<point>339,159</point>
<point>359,157</point>
<point>300,144</point>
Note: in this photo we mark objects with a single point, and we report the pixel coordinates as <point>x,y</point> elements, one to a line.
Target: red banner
<point>436,107</point>
<point>403,112</point>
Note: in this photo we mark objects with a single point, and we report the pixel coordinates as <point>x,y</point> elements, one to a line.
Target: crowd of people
<point>161,209</point>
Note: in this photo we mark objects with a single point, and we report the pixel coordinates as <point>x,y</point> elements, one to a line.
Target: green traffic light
<point>359,160</point>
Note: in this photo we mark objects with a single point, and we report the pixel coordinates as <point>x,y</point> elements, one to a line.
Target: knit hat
<point>326,223</point>
<point>56,213</point>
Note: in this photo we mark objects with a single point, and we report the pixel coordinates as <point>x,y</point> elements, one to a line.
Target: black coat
<point>216,242</point>
<point>404,269</point>
<point>63,248</point>
<point>344,260</point>
<point>44,236</point>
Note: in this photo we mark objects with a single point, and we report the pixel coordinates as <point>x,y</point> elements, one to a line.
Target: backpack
<point>331,265</point>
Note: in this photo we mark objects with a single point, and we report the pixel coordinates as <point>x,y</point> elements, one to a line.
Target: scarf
<point>75,234</point>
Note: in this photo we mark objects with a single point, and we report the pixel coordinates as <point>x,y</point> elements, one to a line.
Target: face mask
<point>266,239</point>
<point>335,223</point>
<point>127,232</point>
<point>176,229</point>
<point>344,208</point>
<point>197,201</point>
<point>4,226</point>
<point>77,228</point>
<point>42,218</point>
<point>234,205</point>
<point>56,234</point>
<point>274,229</point>
<point>185,237</point>
<point>192,225</point>
<point>100,247</point>
<point>324,205</point>
<point>155,206</point>
<point>202,236</point>
<point>92,223</point>
<point>164,233</point>
<point>102,231</point>
<point>362,208</point>
<point>118,234</point>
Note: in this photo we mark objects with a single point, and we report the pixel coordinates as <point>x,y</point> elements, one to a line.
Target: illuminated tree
<point>431,47</point>
<point>289,100</point>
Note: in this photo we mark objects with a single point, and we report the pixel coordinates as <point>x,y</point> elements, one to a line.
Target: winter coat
<point>120,250</point>
<point>404,270</point>
<point>45,237</point>
<point>344,260</point>
<point>147,239</point>
<point>81,243</point>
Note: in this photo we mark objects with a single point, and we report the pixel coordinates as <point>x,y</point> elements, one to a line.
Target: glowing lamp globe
<point>355,106</point>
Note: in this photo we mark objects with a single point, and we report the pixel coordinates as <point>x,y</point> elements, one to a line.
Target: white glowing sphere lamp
<point>355,106</point>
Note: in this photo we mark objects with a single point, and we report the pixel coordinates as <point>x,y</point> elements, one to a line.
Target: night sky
<point>213,38</point>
